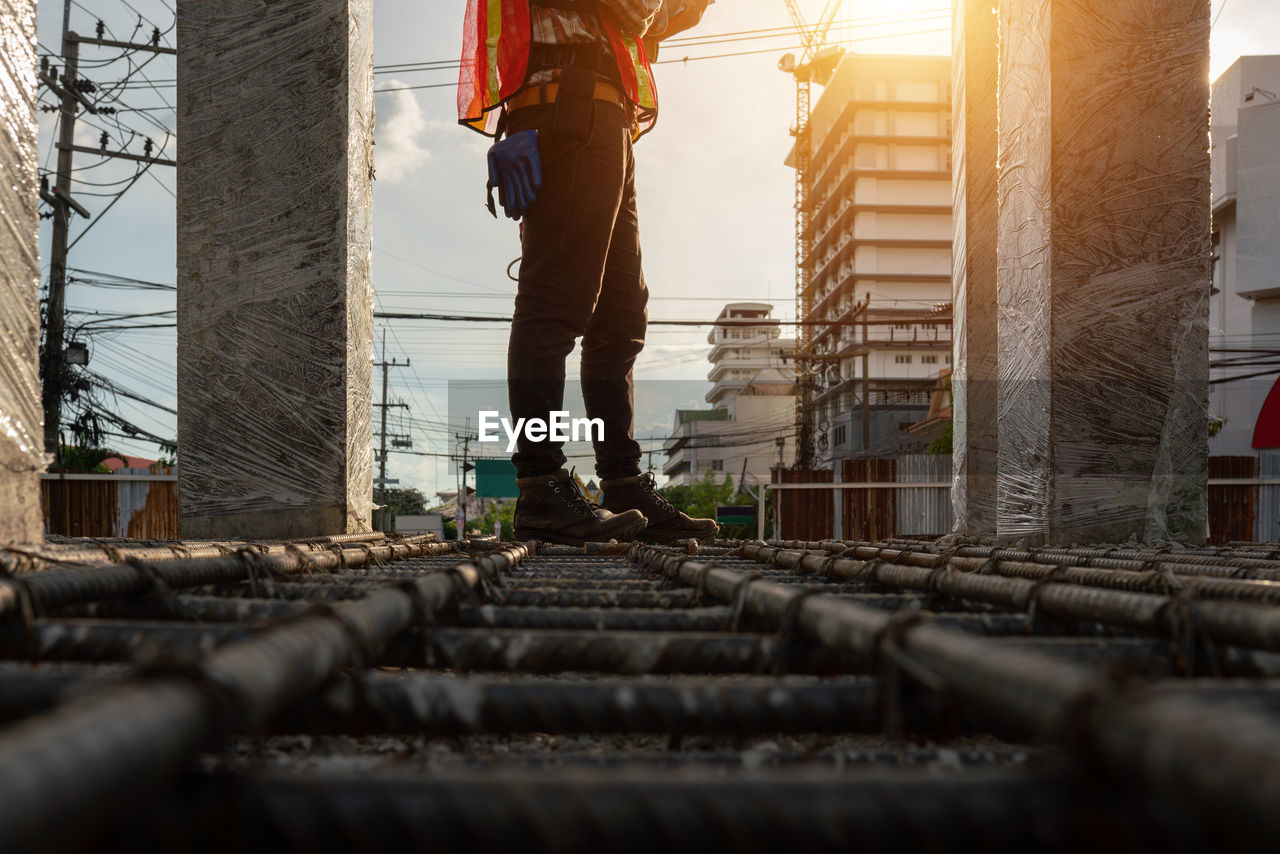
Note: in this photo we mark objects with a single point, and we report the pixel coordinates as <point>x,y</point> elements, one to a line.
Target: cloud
<point>400,148</point>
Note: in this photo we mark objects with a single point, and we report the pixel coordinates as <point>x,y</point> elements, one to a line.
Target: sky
<point>714,197</point>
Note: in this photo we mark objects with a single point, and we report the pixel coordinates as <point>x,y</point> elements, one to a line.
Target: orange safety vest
<point>495,62</point>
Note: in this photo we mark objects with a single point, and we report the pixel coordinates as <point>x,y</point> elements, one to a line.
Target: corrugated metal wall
<point>109,506</point>
<point>924,511</point>
<point>1267,524</point>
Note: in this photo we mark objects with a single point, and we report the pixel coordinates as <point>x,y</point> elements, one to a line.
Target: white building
<point>1244,313</point>
<point>881,261</point>
<point>752,399</point>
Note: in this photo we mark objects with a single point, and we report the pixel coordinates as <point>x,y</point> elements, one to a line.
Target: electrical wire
<point>786,30</point>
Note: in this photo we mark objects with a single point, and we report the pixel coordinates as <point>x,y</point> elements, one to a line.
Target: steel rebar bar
<point>441,705</point>
<point>602,811</point>
<point>70,585</point>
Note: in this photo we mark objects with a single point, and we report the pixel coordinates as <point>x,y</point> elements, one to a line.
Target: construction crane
<point>815,65</point>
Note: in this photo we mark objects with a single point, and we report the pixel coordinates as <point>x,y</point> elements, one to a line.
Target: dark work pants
<point>580,277</point>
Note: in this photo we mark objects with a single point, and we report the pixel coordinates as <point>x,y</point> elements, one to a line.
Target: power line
<point>786,30</point>
<point>109,280</point>
<point>703,41</point>
<point>74,104</point>
<point>920,317</point>
<point>116,388</point>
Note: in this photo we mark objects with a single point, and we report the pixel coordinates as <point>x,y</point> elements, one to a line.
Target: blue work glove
<point>516,170</point>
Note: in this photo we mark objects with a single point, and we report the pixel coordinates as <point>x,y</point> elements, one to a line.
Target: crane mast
<point>812,39</point>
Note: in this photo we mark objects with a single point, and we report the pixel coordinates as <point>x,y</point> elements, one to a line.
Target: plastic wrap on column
<point>275,300</point>
<point>21,420</point>
<point>973,269</point>
<point>1104,269</point>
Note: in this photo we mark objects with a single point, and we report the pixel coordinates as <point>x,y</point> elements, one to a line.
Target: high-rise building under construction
<point>881,251</point>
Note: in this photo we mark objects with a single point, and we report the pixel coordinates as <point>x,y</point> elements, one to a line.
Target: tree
<point>75,458</point>
<point>499,511</point>
<point>701,499</point>
<point>403,501</point>
<point>942,444</point>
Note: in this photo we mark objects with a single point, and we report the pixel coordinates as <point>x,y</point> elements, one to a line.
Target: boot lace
<point>573,496</point>
<point>650,485</point>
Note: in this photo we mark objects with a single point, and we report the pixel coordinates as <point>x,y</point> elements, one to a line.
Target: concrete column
<point>1104,270</point>
<point>21,420</point>
<point>975,40</point>
<point>275,303</point>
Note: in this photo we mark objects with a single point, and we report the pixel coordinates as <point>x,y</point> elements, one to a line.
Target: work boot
<point>666,523</point>
<point>551,508</point>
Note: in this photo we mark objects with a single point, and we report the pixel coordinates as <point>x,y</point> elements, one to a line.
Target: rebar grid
<point>1180,745</point>
<point>701,645</point>
<point>1106,596</point>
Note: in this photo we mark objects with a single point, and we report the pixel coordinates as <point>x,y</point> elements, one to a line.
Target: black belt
<point>585,7</point>
<point>595,56</point>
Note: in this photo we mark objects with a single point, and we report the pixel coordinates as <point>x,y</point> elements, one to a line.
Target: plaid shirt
<point>556,26</point>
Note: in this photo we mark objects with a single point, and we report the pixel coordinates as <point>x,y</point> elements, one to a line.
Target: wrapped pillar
<point>275,303</point>
<point>21,418</point>
<point>975,40</point>
<point>1104,270</point>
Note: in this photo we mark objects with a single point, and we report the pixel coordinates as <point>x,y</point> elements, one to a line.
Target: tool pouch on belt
<point>574,104</point>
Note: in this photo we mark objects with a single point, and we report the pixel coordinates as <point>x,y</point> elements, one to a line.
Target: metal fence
<point>138,506</point>
<point>911,496</point>
<point>924,511</point>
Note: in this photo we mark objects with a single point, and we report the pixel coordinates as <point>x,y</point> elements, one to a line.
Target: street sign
<point>496,479</point>
<point>736,514</point>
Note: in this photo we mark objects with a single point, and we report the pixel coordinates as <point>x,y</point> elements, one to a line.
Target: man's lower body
<point>580,276</point>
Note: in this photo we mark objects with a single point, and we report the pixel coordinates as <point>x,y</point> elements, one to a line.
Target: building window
<point>902,360</point>
<point>948,360</point>
<point>928,360</point>
<point>717,465</point>
<point>902,326</point>
<point>1215,282</point>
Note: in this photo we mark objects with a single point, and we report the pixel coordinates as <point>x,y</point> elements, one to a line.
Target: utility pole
<point>777,493</point>
<point>52,364</point>
<point>866,382</point>
<point>382,455</point>
<point>70,91</point>
<point>466,439</point>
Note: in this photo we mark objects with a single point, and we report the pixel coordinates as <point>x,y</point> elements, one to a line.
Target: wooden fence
<point>869,514</point>
<point>805,514</point>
